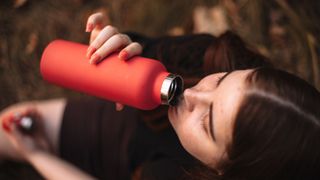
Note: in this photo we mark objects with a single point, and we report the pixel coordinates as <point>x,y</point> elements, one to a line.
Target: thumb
<point>12,132</point>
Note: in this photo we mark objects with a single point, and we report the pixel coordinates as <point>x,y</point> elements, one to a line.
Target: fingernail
<point>90,51</point>
<point>94,58</point>
<point>6,122</point>
<point>5,127</point>
<point>123,55</point>
<point>119,107</point>
<point>89,27</point>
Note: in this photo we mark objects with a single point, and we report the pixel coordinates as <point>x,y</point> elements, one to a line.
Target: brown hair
<point>277,129</point>
<point>229,52</point>
<point>277,123</point>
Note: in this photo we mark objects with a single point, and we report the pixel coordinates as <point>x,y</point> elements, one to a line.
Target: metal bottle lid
<point>171,89</point>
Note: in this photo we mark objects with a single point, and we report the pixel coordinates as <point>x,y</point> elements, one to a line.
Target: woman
<point>257,123</point>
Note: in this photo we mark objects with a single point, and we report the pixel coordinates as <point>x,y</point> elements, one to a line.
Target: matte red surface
<point>135,82</point>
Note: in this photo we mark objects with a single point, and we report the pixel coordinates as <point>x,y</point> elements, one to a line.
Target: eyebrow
<point>211,122</point>
<point>223,77</point>
<point>211,125</point>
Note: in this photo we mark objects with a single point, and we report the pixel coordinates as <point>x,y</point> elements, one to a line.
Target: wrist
<point>32,156</point>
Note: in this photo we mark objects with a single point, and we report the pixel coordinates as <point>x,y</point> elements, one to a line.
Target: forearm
<point>52,167</point>
<point>182,44</point>
<point>177,53</point>
<point>51,111</point>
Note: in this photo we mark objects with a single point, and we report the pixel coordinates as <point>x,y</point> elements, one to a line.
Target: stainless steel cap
<point>171,89</point>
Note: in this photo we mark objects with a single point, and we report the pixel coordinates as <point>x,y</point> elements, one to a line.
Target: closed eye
<point>211,124</point>
<point>204,123</point>
<point>221,78</point>
<point>207,123</point>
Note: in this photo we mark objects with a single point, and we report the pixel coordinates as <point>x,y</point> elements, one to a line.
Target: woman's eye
<point>219,78</point>
<point>207,123</point>
<point>204,124</point>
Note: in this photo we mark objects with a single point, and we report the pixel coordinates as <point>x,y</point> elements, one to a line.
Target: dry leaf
<point>19,3</point>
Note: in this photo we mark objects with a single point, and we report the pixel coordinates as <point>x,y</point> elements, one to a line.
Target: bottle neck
<point>171,89</point>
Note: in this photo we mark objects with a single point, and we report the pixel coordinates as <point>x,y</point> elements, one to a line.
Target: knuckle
<point>99,52</point>
<point>120,38</point>
<point>98,14</point>
<point>136,44</point>
<point>95,42</point>
<point>92,18</point>
<point>117,37</point>
<point>112,29</point>
<point>137,47</point>
<point>127,38</point>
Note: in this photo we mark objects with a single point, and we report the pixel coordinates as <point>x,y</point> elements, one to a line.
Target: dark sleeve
<point>162,168</point>
<point>94,137</point>
<point>183,55</point>
<point>201,54</point>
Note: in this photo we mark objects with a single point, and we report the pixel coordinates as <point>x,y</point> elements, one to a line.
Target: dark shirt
<point>112,145</point>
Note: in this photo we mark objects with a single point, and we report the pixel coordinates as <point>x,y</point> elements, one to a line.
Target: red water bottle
<point>140,82</point>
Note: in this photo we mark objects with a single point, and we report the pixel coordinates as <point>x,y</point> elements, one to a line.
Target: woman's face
<point>203,119</point>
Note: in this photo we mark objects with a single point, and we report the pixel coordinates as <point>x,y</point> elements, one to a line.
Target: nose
<point>195,97</point>
<point>190,98</point>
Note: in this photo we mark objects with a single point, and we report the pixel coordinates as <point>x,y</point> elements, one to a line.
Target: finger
<point>6,121</point>
<point>43,143</point>
<point>119,107</point>
<point>95,21</point>
<point>114,43</point>
<point>13,134</point>
<point>131,50</point>
<point>16,136</point>
<point>94,33</point>
<point>30,111</point>
<point>12,118</point>
<point>106,33</point>
<point>26,112</point>
<point>16,118</point>
<point>17,139</point>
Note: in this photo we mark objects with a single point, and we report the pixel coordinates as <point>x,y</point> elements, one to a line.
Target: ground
<point>285,31</point>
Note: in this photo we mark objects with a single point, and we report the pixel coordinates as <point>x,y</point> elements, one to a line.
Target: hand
<point>105,40</point>
<point>29,143</point>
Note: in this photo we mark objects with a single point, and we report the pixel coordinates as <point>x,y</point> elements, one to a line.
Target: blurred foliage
<point>284,30</point>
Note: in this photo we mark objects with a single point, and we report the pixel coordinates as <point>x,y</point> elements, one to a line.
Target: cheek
<point>193,138</point>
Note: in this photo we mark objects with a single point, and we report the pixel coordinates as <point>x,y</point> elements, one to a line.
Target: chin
<point>171,113</point>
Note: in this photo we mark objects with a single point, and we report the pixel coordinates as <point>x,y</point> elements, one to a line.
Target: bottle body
<point>136,82</point>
